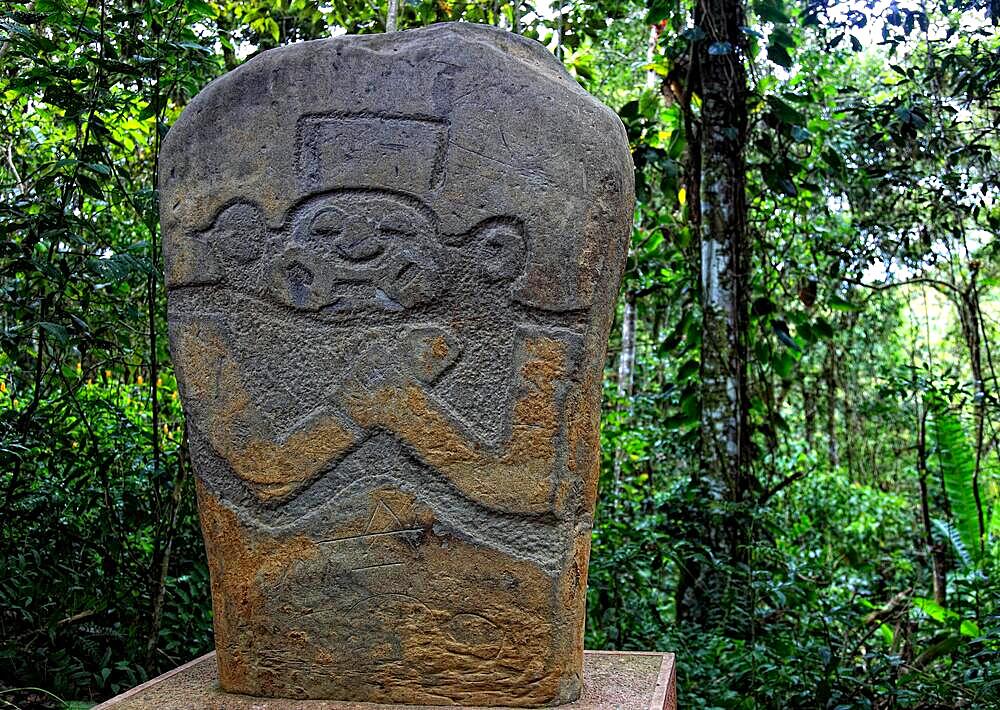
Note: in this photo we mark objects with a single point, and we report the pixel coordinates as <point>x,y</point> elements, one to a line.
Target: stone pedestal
<point>612,680</point>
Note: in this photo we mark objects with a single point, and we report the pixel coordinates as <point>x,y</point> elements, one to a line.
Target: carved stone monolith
<point>391,263</point>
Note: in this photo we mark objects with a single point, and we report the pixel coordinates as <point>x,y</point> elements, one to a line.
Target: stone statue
<point>391,263</point>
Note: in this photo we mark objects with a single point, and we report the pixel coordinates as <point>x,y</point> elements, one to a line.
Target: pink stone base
<point>613,680</point>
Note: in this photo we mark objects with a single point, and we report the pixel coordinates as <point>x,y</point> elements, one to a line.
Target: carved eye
<point>397,226</point>
<point>327,223</point>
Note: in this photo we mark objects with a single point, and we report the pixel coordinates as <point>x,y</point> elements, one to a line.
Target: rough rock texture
<point>391,264</point>
<point>613,680</point>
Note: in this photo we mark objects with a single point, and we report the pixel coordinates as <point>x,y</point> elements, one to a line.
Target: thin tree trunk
<point>724,251</point>
<point>725,472</point>
<point>971,332</point>
<point>830,375</point>
<point>224,22</point>
<point>651,76</point>
<point>809,412</point>
<point>850,438</point>
<point>163,567</point>
<point>687,597</point>
<point>392,16</point>
<point>626,373</point>
<point>934,551</point>
<point>159,552</point>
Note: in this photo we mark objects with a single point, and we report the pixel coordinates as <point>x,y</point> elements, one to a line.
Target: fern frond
<point>958,467</point>
<point>948,532</point>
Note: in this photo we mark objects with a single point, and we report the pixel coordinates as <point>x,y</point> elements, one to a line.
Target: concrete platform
<point>613,680</point>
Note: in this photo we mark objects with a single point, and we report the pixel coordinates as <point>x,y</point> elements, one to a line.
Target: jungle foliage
<point>857,563</point>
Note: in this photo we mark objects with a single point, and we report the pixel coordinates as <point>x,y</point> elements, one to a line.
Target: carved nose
<point>359,241</point>
<point>300,280</point>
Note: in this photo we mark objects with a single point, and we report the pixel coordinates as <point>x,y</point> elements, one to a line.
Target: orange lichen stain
<point>461,623</point>
<point>519,476</point>
<point>274,466</point>
<point>301,456</point>
<point>431,356</point>
<point>500,625</point>
<point>241,564</point>
<point>439,348</point>
<point>577,492</point>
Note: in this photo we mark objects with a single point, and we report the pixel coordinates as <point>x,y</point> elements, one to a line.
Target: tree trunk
<point>626,374</point>
<point>392,16</point>
<point>809,412</point>
<point>971,331</point>
<point>161,565</point>
<point>830,375</point>
<point>850,434</point>
<point>725,473</point>
<point>935,550</point>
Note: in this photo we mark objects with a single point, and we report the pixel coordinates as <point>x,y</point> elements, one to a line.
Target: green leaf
<point>771,11</point>
<point>941,615</point>
<point>200,7</point>
<point>969,628</point>
<point>659,10</point>
<point>89,186</point>
<point>833,159</point>
<point>99,168</point>
<point>886,633</point>
<point>779,55</point>
<point>806,332</point>
<point>800,134</point>
<point>839,303</point>
<point>778,180</point>
<point>823,328</point>
<point>691,407</point>
<point>782,37</point>
<point>784,364</point>
<point>57,331</point>
<point>688,370</point>
<point>196,47</point>
<point>933,609</point>
<point>629,111</point>
<point>763,306</point>
<point>785,111</point>
<point>948,532</point>
<point>649,103</point>
<point>271,25</point>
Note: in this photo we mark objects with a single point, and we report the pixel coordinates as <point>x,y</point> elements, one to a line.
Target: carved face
<point>359,251</point>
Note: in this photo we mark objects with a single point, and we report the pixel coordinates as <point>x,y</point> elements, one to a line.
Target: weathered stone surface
<point>612,680</point>
<point>391,264</point>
